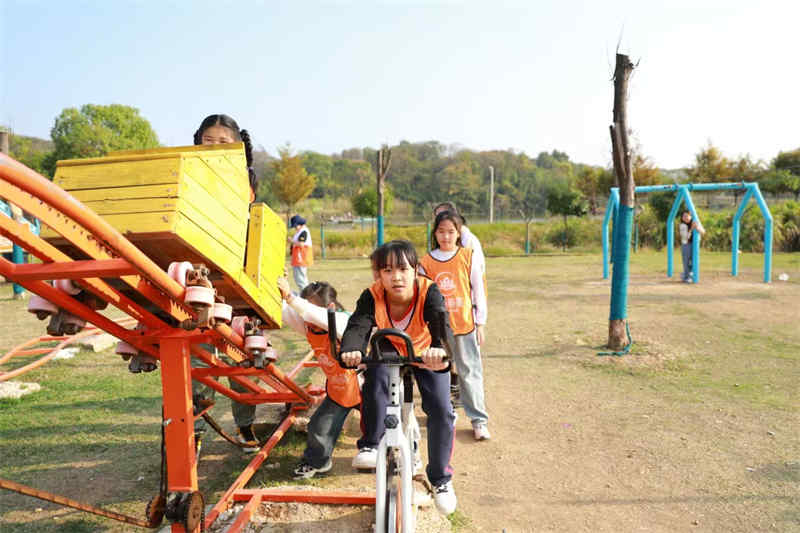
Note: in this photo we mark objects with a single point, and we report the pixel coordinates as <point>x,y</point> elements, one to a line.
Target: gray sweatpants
<point>470,377</point>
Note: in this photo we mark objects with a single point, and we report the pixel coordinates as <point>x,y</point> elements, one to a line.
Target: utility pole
<point>491,194</point>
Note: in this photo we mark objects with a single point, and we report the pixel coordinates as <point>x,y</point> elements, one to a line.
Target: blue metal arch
<point>684,196</point>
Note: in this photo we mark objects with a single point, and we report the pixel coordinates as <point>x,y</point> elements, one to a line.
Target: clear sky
<point>325,76</point>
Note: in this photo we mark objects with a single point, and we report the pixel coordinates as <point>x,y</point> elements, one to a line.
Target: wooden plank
<point>232,168</point>
<point>128,193</point>
<point>219,233</point>
<point>206,191</point>
<point>155,222</point>
<point>141,205</point>
<point>219,256</point>
<point>118,174</point>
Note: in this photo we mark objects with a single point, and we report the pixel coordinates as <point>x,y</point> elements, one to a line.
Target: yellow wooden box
<point>188,203</point>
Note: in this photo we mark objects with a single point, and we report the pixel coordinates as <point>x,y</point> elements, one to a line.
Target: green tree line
<point>421,173</point>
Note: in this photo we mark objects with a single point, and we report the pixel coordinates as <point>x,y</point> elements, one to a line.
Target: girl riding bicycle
<point>401,299</point>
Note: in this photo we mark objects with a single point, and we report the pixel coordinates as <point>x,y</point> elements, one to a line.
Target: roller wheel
<point>223,312</point>
<point>66,285</point>
<point>193,509</point>
<point>40,307</point>
<point>200,296</point>
<point>238,324</point>
<point>255,342</point>
<point>178,271</point>
<point>155,511</point>
<point>72,324</point>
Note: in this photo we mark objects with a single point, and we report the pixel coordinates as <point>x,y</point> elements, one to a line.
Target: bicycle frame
<point>402,428</point>
<point>396,437</point>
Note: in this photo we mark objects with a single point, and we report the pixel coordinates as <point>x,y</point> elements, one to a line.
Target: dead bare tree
<point>623,170</point>
<point>383,163</point>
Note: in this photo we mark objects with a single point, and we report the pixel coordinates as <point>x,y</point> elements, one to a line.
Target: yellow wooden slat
<point>142,222</point>
<point>206,191</point>
<point>266,300</point>
<point>231,236</point>
<point>118,174</point>
<point>266,245</point>
<point>141,205</point>
<point>219,257</point>
<point>127,193</point>
<point>232,168</point>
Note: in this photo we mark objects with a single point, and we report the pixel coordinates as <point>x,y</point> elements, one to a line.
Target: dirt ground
<point>653,441</point>
<point>694,430</point>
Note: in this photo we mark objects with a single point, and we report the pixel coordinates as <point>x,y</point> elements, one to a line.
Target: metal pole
<point>17,254</point>
<point>491,194</point>
<point>428,236</point>
<point>527,237</point>
<point>322,237</point>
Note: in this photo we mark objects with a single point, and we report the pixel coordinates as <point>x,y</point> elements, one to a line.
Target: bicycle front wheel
<point>394,498</point>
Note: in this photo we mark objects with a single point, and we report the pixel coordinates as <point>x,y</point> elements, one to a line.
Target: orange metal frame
<point>28,348</point>
<point>112,256</point>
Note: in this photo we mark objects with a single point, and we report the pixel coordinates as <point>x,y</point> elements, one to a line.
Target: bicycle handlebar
<point>376,355</point>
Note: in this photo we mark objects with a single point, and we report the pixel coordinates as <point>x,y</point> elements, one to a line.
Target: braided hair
<point>239,135</point>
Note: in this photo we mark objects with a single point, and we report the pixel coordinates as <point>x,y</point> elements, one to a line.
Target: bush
<point>652,231</point>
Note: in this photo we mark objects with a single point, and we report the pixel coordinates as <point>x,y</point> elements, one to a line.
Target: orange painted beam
<point>109,268</point>
<point>250,469</point>
<point>308,496</point>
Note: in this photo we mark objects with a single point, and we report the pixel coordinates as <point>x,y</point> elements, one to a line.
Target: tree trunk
<point>384,160</point>
<point>564,240</point>
<point>623,170</point>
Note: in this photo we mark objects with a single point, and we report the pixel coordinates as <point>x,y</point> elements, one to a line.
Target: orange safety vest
<point>342,383</point>
<point>303,256</point>
<point>452,277</point>
<point>417,328</point>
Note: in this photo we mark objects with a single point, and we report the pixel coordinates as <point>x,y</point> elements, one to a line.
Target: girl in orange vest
<point>400,299</point>
<point>307,314</point>
<point>460,279</point>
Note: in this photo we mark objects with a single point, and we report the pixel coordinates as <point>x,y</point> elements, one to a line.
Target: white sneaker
<point>306,471</point>
<point>445,498</point>
<point>366,459</point>
<point>481,432</point>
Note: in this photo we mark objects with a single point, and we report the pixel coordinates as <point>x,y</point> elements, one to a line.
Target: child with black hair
<point>470,241</point>
<point>685,228</point>
<point>302,251</point>
<point>401,299</point>
<point>307,314</point>
<point>222,129</point>
<point>454,270</point>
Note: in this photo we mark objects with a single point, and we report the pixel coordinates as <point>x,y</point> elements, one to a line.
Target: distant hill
<point>37,144</point>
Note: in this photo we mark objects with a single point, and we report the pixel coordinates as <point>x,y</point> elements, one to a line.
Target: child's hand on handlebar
<point>351,359</point>
<point>434,358</point>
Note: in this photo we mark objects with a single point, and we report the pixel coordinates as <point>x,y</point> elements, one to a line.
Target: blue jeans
<point>323,432</point>
<point>470,377</point>
<point>434,388</point>
<point>686,255</point>
<point>243,413</point>
<point>300,277</point>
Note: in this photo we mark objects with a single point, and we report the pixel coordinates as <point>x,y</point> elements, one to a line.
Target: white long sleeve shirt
<point>469,240</point>
<point>475,279</point>
<point>300,311</point>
